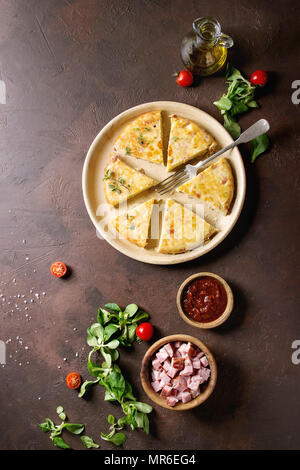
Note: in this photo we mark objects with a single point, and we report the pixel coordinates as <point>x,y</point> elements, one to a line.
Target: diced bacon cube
<point>192,350</point>
<point>194,383</point>
<point>171,401</point>
<point>182,349</point>
<point>178,363</point>
<point>199,355</point>
<point>155,375</point>
<point>172,372</point>
<point>187,371</point>
<point>204,373</point>
<point>196,364</point>
<point>188,362</point>
<point>195,394</point>
<point>177,344</point>
<point>169,349</point>
<point>165,379</point>
<point>162,355</point>
<point>204,361</point>
<point>177,354</point>
<point>179,383</point>
<point>156,364</point>
<point>166,391</point>
<point>166,366</point>
<point>186,397</point>
<point>156,386</point>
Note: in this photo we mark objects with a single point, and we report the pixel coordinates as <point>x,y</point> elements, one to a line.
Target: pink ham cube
<point>199,355</point>
<point>166,366</point>
<point>155,375</point>
<point>194,383</point>
<point>178,363</point>
<point>177,354</point>
<point>204,373</point>
<point>182,349</point>
<point>187,371</point>
<point>186,397</point>
<point>165,379</point>
<point>192,350</point>
<point>162,355</point>
<point>179,383</point>
<point>156,386</point>
<point>169,349</point>
<point>196,364</point>
<point>204,361</point>
<point>166,391</point>
<point>156,364</point>
<point>171,401</point>
<point>177,344</point>
<point>172,372</point>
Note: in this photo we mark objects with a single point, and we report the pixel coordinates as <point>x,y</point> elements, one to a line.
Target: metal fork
<point>189,171</point>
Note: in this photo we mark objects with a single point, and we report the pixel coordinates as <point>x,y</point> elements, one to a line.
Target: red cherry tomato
<point>185,78</point>
<point>58,269</point>
<point>259,77</point>
<point>145,331</point>
<point>73,380</point>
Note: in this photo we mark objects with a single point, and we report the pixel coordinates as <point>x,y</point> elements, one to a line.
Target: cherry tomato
<point>73,380</point>
<point>185,78</point>
<point>259,77</point>
<point>145,331</point>
<point>58,269</point>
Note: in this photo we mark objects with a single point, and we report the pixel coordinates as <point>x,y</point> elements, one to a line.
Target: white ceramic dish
<point>100,212</point>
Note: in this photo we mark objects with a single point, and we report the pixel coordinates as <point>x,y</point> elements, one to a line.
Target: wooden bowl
<point>146,381</point>
<point>213,323</point>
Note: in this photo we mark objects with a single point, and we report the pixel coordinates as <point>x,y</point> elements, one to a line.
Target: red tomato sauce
<point>204,299</point>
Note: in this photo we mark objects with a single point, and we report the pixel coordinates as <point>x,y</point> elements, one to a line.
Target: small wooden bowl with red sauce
<point>204,300</point>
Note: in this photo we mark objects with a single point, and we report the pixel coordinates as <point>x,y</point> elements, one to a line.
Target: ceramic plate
<point>101,213</point>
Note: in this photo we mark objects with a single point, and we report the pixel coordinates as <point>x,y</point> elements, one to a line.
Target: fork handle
<point>257,129</point>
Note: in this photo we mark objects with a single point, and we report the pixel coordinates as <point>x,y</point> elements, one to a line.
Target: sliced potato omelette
<point>121,182</point>
<point>187,141</point>
<point>214,185</point>
<point>142,138</point>
<point>134,224</point>
<point>182,229</point>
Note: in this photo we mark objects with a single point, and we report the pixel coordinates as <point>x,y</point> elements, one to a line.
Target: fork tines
<point>170,183</point>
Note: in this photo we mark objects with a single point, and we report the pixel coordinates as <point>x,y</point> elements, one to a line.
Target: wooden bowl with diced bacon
<point>178,372</point>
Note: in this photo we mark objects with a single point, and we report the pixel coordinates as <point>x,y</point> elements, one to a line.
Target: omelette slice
<point>182,229</point>
<point>121,182</point>
<point>214,185</point>
<point>134,224</point>
<point>187,140</point>
<point>142,138</point>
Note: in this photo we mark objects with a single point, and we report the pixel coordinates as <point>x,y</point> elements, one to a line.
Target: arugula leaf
<point>44,426</point>
<point>85,386</point>
<point>113,344</point>
<point>143,407</point>
<point>59,442</point>
<point>88,442</point>
<point>104,316</point>
<point>93,368</point>
<point>109,330</point>
<point>232,126</point>
<point>113,306</point>
<point>259,145</point>
<point>116,382</point>
<point>74,428</point>
<point>118,439</point>
<point>131,309</point>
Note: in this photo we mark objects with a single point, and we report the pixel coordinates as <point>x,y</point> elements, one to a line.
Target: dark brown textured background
<point>70,67</point>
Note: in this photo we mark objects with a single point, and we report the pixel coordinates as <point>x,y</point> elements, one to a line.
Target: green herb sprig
<point>116,328</point>
<point>56,430</point>
<point>115,182</point>
<point>239,99</point>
